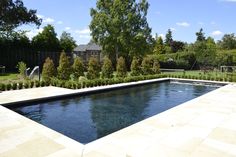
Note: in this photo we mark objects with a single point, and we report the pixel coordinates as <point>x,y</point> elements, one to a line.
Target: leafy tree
<point>159,47</point>
<point>46,40</point>
<point>49,70</point>
<point>177,46</point>
<point>121,67</point>
<point>121,27</point>
<point>135,67</point>
<point>14,14</point>
<point>107,70</point>
<point>205,52</point>
<point>93,68</point>
<point>200,35</point>
<point>169,38</point>
<point>147,65</point>
<point>78,67</point>
<point>67,42</point>
<point>228,41</point>
<point>64,68</point>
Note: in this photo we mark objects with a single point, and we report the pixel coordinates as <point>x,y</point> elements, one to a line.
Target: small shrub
<point>107,70</point>
<point>14,86</point>
<point>135,67</point>
<point>26,85</point>
<point>31,84</point>
<point>121,67</point>
<point>20,85</point>
<point>37,83</point>
<point>48,70</point>
<point>42,84</point>
<point>78,68</point>
<point>2,87</point>
<point>93,68</point>
<point>64,68</point>
<point>9,86</point>
<point>22,68</point>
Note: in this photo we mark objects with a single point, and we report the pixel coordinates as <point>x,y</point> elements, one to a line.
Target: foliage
<point>177,46</point>
<point>228,42</point>
<point>78,68</point>
<point>121,67</point>
<point>64,68</point>
<point>67,42</point>
<point>156,67</point>
<point>14,14</point>
<point>46,40</point>
<point>200,36</point>
<point>159,47</point>
<point>93,68</point>
<point>48,70</point>
<point>121,27</point>
<point>22,68</point>
<point>169,38</point>
<point>107,70</point>
<point>147,65</point>
<point>135,67</point>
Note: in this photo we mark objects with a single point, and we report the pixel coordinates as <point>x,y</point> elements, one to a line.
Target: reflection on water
<point>88,118</point>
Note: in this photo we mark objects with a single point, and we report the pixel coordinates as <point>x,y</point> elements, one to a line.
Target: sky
<point>183,17</point>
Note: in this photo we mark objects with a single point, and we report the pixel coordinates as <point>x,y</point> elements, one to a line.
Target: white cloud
<point>40,16</point>
<point>30,34</point>
<point>162,36</point>
<point>201,23</point>
<point>59,22</point>
<point>85,36</point>
<point>172,29</point>
<point>67,28</point>
<point>48,20</point>
<point>229,0</point>
<point>183,24</point>
<point>83,31</point>
<point>216,33</point>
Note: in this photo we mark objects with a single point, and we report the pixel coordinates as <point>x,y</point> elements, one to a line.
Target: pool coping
<point>92,146</point>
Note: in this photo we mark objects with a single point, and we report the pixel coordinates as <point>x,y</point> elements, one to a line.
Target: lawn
<point>10,77</point>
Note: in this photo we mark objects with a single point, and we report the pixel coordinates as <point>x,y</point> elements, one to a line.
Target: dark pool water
<point>87,118</point>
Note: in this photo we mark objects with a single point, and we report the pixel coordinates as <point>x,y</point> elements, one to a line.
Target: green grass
<point>10,77</point>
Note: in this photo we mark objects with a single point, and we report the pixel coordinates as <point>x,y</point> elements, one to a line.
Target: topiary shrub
<point>49,70</point>
<point>135,67</point>
<point>31,84</point>
<point>9,86</point>
<point>147,66</point>
<point>37,83</point>
<point>2,87</point>
<point>20,85</point>
<point>78,68</point>
<point>42,83</point>
<point>107,70</point>
<point>26,85</point>
<point>64,68</point>
<point>121,67</point>
<point>14,86</point>
<point>22,68</point>
<point>93,68</point>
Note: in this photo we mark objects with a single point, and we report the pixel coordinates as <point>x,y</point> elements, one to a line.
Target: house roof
<point>90,46</point>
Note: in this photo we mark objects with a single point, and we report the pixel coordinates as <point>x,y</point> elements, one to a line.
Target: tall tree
<point>67,42</point>
<point>169,38</point>
<point>200,35</point>
<point>121,27</point>
<point>228,41</point>
<point>159,46</point>
<point>14,14</point>
<point>46,40</point>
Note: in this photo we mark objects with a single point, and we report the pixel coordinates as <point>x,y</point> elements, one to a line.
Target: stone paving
<point>202,127</point>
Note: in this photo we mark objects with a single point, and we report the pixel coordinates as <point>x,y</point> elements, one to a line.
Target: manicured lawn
<point>10,77</point>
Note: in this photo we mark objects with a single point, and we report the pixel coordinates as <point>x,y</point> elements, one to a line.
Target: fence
<point>32,58</point>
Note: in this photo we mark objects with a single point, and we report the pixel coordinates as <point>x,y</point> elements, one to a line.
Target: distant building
<point>87,51</point>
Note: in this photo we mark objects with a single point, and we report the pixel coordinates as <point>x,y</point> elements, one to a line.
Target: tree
<point>64,68</point>
<point>48,70</point>
<point>121,27</point>
<point>205,52</point>
<point>200,35</point>
<point>169,38</point>
<point>135,67</point>
<point>177,46</point>
<point>159,47</point>
<point>14,14</point>
<point>147,65</point>
<point>46,40</point>
<point>228,41</point>
<point>93,68</point>
<point>156,67</point>
<point>67,42</point>
<point>107,70</point>
<point>78,67</point>
<point>121,67</point>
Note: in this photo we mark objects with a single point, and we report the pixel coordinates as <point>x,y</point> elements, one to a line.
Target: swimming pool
<point>90,117</point>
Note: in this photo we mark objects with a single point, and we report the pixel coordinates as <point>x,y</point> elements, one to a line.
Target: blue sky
<point>184,17</point>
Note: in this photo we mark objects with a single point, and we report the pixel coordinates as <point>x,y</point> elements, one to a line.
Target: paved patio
<point>202,127</point>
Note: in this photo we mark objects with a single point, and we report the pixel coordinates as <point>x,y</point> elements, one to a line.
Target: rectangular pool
<point>90,117</point>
